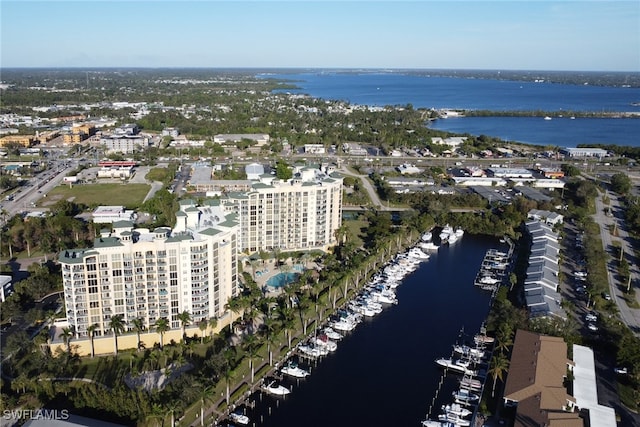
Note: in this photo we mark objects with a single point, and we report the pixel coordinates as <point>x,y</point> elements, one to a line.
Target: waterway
<point>399,89</point>
<point>383,372</point>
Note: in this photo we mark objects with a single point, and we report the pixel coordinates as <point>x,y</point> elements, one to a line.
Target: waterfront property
<point>149,275</point>
<point>541,284</point>
<point>535,384</point>
<point>301,213</point>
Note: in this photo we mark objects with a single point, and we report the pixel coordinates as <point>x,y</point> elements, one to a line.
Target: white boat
<point>343,325</point>
<point>292,369</point>
<point>471,384</point>
<point>312,350</point>
<point>417,253</point>
<point>456,365</point>
<point>453,237</point>
<point>445,234</point>
<point>239,418</point>
<point>331,334</point>
<point>468,351</point>
<point>482,339</point>
<point>547,118</point>
<point>454,419</point>
<point>456,409</point>
<point>488,280</point>
<point>426,237</point>
<point>459,232</point>
<point>276,389</point>
<point>323,341</point>
<point>433,423</point>
<point>429,246</point>
<point>464,396</point>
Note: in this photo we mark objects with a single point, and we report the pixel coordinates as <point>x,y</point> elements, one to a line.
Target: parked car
<point>622,371</point>
<point>606,296</point>
<point>592,327</point>
<point>590,317</point>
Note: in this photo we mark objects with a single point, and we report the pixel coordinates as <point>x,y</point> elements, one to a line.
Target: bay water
<point>423,91</point>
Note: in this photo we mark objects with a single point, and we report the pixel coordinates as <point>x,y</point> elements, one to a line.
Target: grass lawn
<point>128,195</point>
<point>355,227</point>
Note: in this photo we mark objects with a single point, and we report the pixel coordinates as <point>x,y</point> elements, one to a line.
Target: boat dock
<point>494,270</point>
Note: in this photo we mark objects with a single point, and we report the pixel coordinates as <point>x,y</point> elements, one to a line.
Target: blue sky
<point>516,35</point>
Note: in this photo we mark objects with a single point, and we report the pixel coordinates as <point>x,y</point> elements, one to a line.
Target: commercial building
<point>148,275</point>
<point>297,214</point>
<point>111,214</point>
<point>584,152</point>
<point>24,140</point>
<point>125,139</point>
<point>260,139</point>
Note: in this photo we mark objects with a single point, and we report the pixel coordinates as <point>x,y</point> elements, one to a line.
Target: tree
<point>162,326</point>
<point>185,319</point>
<point>138,326</point>
<point>91,330</point>
<point>67,334</point>
<point>116,324</point>
<point>213,324</point>
<point>206,395</point>
<point>620,183</point>
<point>498,367</point>
<point>202,325</point>
<point>283,171</point>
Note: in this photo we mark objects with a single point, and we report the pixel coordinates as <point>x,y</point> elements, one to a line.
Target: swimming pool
<point>281,279</point>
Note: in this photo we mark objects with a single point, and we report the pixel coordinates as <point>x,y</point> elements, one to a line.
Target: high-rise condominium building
<point>149,275</point>
<point>297,214</point>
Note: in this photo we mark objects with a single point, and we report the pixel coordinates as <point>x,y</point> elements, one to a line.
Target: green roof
<point>106,242</point>
<point>192,209</point>
<point>261,185</point>
<point>210,231</point>
<point>123,224</point>
<point>180,213</point>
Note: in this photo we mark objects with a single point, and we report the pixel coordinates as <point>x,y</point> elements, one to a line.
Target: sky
<point>574,35</point>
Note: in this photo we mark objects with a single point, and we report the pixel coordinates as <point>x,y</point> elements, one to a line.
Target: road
<point>630,316</point>
<point>33,193</point>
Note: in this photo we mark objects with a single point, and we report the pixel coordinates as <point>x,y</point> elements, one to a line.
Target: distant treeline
<point>592,78</point>
<point>541,113</point>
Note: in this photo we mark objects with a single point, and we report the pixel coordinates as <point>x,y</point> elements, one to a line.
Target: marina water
<point>384,371</point>
<point>398,89</point>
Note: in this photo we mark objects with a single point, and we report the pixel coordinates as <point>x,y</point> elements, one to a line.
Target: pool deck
<point>267,270</point>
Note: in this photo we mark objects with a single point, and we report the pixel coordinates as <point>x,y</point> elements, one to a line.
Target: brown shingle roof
<point>535,380</point>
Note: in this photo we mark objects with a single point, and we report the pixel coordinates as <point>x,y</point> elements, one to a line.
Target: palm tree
<point>252,348</point>
<point>91,330</point>
<point>504,338</point>
<point>185,319</point>
<point>497,368</point>
<point>269,326</point>
<point>67,334</point>
<point>116,324</point>
<point>202,325</point>
<point>213,323</point>
<point>138,326</point>
<point>162,326</point>
<point>206,395</point>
